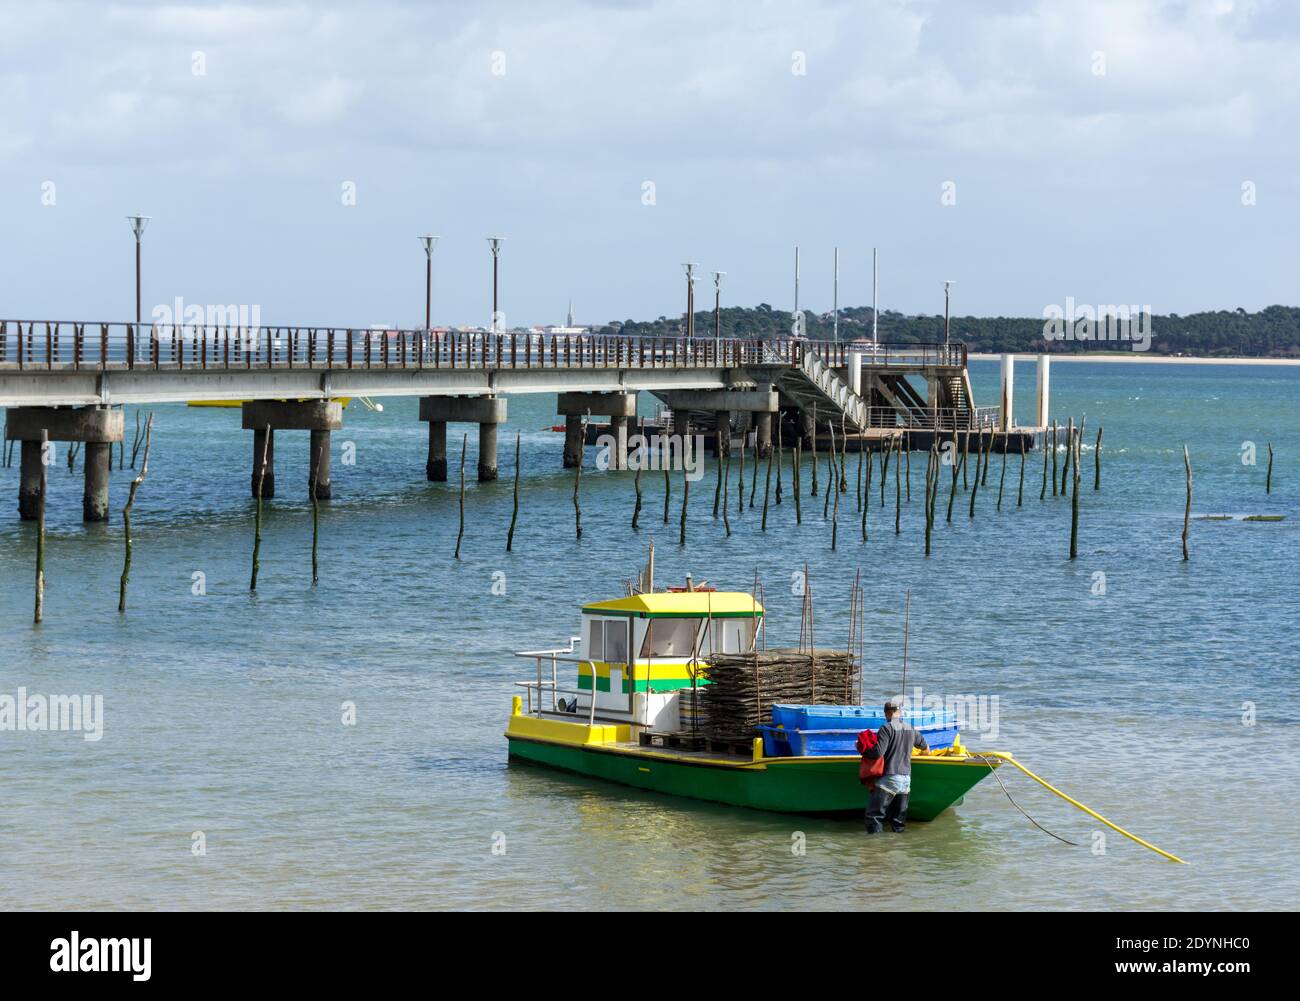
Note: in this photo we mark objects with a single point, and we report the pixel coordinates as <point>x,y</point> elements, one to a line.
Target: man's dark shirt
<point>894,743</point>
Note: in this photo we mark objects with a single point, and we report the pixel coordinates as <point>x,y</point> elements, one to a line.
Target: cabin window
<point>670,638</point>
<point>615,642</point>
<point>731,636</point>
<point>596,640</point>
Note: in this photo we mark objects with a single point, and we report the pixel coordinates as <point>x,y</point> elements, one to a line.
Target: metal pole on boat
<point>907,621</point>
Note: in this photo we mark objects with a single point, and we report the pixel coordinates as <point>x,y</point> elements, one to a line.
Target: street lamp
<point>717,310</point>
<point>495,243</point>
<point>429,243</point>
<point>138,223</point>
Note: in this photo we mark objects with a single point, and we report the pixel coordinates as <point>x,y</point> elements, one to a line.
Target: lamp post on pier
<point>429,242</point>
<point>138,223</point>
<point>947,283</point>
<point>495,243</point>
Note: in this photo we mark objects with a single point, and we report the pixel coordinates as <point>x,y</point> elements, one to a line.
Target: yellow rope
<point>1074,802</point>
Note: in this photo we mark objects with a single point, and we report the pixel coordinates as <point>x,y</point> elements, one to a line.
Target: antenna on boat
<point>907,621</point>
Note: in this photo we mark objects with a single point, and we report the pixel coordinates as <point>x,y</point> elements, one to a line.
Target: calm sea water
<point>223,711</point>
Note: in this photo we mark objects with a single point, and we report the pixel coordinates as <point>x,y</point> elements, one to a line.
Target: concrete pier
<point>97,427</point>
<point>620,408</point>
<point>485,411</point>
<point>320,417</point>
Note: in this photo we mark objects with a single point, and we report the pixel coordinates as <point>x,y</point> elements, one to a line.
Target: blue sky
<point>1096,150</point>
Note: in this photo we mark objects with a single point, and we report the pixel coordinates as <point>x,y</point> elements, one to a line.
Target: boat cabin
<point>635,654</point>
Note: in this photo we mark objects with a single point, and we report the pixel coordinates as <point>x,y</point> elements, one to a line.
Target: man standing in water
<point>894,743</point>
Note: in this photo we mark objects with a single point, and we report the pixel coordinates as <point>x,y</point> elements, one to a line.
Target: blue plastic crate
<point>783,742</point>
<point>798,717</point>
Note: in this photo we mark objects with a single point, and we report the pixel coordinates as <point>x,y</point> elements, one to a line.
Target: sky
<point>291,154</point>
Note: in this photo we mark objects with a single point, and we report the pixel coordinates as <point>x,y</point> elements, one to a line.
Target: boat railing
<point>555,656</point>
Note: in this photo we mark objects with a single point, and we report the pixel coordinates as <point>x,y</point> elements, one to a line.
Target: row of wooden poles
<point>1062,478</point>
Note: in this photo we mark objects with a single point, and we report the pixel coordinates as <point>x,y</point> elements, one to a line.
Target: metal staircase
<point>811,383</point>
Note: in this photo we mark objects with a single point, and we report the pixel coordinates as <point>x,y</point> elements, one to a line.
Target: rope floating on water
<point>1002,755</point>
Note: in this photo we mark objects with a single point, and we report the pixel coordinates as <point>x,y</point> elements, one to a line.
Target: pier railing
<point>942,419</point>
<point>72,345</point>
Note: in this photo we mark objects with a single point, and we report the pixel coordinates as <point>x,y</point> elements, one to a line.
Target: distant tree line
<point>1272,332</point>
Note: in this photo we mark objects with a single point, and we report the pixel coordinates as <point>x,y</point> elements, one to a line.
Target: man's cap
<point>892,704</point>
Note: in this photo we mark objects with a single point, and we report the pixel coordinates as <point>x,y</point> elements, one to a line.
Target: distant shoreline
<point>1142,358</point>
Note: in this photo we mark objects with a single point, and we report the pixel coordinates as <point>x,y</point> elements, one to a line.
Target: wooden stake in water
<point>767,485</point>
<point>1020,497</point>
<point>1074,500</point>
<point>1096,461</point>
<point>460,534</point>
<point>952,495</point>
<point>514,513</point>
<point>636,485</point>
<point>884,469</point>
<point>1002,480</point>
<point>717,490</point>
<point>1268,479</point>
<point>686,497</point>
<point>965,461</point>
<point>315,509</point>
<point>798,462</point>
<point>1069,453</point>
<point>929,498</point>
<point>577,485</point>
<point>862,445</point>
<point>38,613</point>
<point>257,509</point>
<point>740,477</point>
<point>975,485</point>
<point>1055,445</point>
<point>898,487</point>
<point>665,455</point>
<point>832,487</point>
<point>812,443</point>
<point>866,495</point>
<point>726,495</point>
<point>1042,494</point>
<point>780,455</point>
<point>1187,511</point>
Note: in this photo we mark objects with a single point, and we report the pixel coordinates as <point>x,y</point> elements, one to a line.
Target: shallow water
<point>223,710</point>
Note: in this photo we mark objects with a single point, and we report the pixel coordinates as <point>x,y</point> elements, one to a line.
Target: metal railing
<point>942,419</point>
<point>73,345</point>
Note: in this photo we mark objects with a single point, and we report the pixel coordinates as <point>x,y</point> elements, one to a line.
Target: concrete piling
<point>487,452</point>
<point>435,468</point>
<point>318,474</point>
<point>98,463</point>
<point>31,481</point>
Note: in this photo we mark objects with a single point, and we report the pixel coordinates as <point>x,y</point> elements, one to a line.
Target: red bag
<point>869,769</point>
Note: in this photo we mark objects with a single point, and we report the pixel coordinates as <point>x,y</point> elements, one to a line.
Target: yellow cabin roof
<point>679,604</point>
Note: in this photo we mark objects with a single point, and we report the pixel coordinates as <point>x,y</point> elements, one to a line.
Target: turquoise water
<point>223,711</point>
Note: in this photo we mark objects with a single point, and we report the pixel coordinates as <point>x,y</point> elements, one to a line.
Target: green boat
<point>624,720</point>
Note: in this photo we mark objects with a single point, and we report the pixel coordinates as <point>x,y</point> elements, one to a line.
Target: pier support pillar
<point>722,425</point>
<point>682,424</point>
<point>620,408</point>
<point>320,417</point>
<point>485,411</point>
<point>1006,415</point>
<point>618,450</point>
<point>319,468</point>
<point>263,438</point>
<point>435,468</point>
<point>30,481</point>
<point>808,429</point>
<point>573,441</point>
<point>763,443</point>
<point>487,452</point>
<point>94,498</point>
<point>97,427</point>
